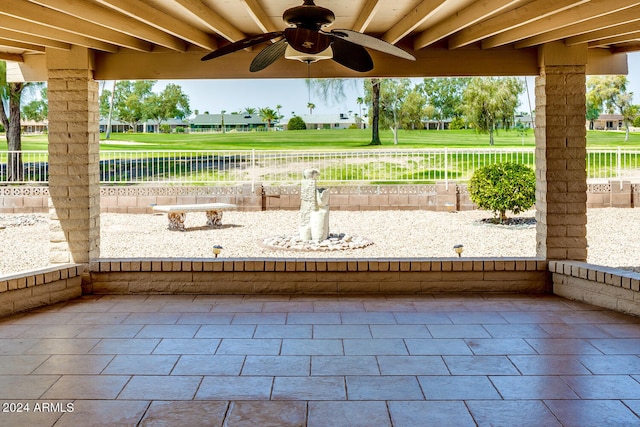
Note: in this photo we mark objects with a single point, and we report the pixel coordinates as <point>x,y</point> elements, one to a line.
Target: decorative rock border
<point>335,242</point>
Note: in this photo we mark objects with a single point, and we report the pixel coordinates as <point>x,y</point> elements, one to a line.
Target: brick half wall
<point>611,288</point>
<point>316,276</point>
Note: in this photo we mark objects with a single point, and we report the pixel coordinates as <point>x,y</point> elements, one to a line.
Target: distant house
<point>436,124</point>
<point>150,126</point>
<point>526,120</point>
<point>116,126</point>
<point>31,126</point>
<point>608,122</point>
<point>327,121</point>
<point>231,122</point>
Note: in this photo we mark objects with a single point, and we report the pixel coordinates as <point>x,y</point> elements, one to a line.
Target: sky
<point>293,95</point>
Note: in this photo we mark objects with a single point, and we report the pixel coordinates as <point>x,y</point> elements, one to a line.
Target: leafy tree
<point>445,96</point>
<point>104,103</point>
<point>170,103</point>
<point>130,100</point>
<point>296,123</point>
<point>611,92</point>
<point>268,115</point>
<point>593,111</point>
<point>393,93</point>
<point>502,187</point>
<point>10,96</point>
<point>399,106</point>
<point>37,109</point>
<point>330,90</point>
<point>490,101</point>
<point>414,109</point>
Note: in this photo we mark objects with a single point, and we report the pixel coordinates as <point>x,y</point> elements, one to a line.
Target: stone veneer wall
<point>37,288</point>
<point>316,276</point>
<point>606,287</point>
<point>139,199</point>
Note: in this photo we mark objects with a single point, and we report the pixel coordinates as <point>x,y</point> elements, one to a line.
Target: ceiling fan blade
<point>351,55</point>
<point>307,41</point>
<point>268,56</point>
<point>371,42</point>
<point>242,44</point>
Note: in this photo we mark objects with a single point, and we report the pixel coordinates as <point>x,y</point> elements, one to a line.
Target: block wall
<point>139,200</point>
<point>37,288</point>
<point>610,288</point>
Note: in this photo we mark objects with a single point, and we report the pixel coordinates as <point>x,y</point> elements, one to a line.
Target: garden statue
<point>314,208</point>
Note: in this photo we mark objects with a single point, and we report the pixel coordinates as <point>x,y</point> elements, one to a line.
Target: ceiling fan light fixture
<point>291,53</point>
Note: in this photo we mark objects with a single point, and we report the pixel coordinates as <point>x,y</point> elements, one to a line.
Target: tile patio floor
<point>430,360</point>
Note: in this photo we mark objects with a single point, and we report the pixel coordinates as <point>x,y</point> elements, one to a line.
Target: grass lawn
<point>343,139</point>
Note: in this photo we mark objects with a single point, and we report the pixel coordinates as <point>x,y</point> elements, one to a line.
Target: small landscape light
<point>458,249</point>
<point>216,250</point>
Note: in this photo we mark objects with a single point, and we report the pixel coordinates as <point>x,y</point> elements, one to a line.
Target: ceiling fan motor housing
<point>309,16</point>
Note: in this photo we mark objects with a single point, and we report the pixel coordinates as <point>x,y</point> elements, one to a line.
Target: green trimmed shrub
<point>503,187</point>
<point>296,123</point>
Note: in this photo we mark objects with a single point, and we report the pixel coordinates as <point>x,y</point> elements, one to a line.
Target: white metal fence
<point>282,167</point>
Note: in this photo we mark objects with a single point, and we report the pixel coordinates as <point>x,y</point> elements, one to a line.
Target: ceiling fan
<point>307,41</point>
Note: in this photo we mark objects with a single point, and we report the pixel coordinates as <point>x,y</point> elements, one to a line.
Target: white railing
<point>283,167</point>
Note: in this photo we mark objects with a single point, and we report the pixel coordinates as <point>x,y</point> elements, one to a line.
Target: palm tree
<point>249,110</point>
<point>268,115</point>
<point>278,107</point>
<point>360,101</point>
<point>311,106</point>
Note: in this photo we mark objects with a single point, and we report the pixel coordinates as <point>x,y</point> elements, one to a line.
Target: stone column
<point>74,150</point>
<point>561,141</point>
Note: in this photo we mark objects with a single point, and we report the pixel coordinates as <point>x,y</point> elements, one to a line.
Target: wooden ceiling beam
<point>365,15</point>
<point>605,33</point>
<point>631,14</point>
<point>115,21</point>
<point>19,45</point>
<point>32,40</point>
<point>626,38</point>
<point>412,20</point>
<point>584,12</point>
<point>13,57</point>
<point>40,14</point>
<point>468,16</point>
<point>43,31</point>
<point>626,49</point>
<point>211,19</point>
<point>530,12</point>
<point>259,16</point>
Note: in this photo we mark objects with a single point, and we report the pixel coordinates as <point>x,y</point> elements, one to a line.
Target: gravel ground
<point>613,236</point>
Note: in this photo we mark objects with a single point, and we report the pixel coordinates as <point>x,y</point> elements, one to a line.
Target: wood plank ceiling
<point>149,27</point>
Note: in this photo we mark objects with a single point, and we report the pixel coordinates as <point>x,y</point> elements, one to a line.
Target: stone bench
<point>178,213</point>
